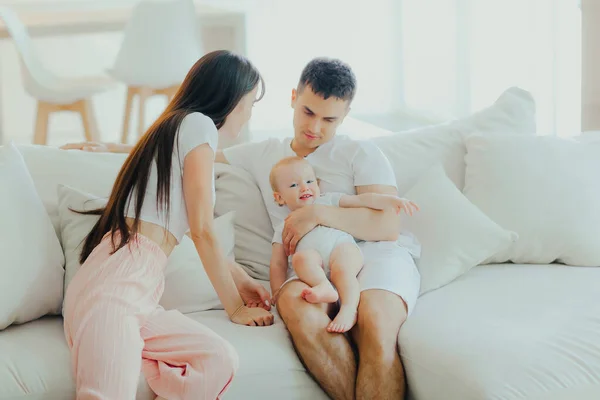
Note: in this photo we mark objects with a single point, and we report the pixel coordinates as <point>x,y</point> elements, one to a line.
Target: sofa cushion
<point>36,365</point>
<point>506,332</point>
<point>413,152</point>
<point>237,191</point>
<point>543,188</point>
<point>31,259</point>
<point>89,172</point>
<point>455,235</point>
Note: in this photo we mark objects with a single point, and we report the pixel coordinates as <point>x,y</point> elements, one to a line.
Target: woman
<point>113,323</point>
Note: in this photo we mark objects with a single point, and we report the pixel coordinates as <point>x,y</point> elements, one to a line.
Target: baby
<point>324,253</point>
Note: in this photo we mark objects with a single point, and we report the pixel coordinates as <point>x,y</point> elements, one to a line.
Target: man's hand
<point>297,224</point>
<point>254,294</point>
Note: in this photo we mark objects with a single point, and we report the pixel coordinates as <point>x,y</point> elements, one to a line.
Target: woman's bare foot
<point>322,293</point>
<point>343,321</point>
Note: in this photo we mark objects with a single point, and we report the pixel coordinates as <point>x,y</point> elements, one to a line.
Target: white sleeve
<point>330,199</point>
<point>277,235</point>
<point>196,129</point>
<point>371,167</point>
<point>246,155</point>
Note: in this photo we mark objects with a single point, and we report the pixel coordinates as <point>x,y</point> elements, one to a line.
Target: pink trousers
<point>115,329</point>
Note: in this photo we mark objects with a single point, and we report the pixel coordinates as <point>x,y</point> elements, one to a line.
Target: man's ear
<point>278,199</point>
<point>294,97</point>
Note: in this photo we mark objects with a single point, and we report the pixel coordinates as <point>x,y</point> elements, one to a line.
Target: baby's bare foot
<point>343,321</point>
<point>322,293</point>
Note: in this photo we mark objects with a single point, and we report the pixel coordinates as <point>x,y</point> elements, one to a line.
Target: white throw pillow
<point>31,259</point>
<point>413,152</point>
<point>237,191</point>
<point>545,189</point>
<point>93,173</point>
<point>454,234</point>
<point>187,287</point>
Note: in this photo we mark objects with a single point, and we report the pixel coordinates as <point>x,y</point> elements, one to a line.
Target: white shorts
<point>387,266</point>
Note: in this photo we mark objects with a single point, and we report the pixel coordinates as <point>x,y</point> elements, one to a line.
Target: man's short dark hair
<point>329,77</point>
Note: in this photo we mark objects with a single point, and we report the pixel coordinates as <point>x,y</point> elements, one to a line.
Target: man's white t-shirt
<point>340,164</point>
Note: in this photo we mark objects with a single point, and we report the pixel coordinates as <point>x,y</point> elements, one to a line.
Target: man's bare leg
<point>327,356</point>
<point>380,372</point>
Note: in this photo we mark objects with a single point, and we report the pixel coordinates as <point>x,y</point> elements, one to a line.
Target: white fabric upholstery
<point>31,259</point>
<point>543,188</point>
<point>454,234</point>
<point>413,152</point>
<point>507,332</point>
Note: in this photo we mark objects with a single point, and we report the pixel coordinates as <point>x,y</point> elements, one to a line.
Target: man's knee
<point>300,317</point>
<point>380,316</point>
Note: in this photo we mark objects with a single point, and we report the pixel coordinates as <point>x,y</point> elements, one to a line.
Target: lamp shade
<point>161,43</point>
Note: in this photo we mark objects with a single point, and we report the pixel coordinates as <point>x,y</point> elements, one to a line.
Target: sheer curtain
<point>443,58</point>
<point>459,55</point>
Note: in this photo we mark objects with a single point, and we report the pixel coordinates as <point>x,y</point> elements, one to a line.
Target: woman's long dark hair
<point>213,87</point>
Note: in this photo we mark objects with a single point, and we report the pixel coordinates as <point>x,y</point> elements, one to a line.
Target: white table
<point>63,18</point>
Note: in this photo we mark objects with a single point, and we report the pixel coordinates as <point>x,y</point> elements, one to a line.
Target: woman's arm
<point>197,189</point>
<point>278,269</point>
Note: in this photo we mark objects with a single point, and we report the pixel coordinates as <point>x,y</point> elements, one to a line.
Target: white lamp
<point>161,43</point>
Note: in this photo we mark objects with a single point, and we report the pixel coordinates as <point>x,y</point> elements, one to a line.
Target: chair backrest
<point>35,76</point>
<point>161,42</point>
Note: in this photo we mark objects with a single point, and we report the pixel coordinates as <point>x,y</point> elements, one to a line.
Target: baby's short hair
<point>284,161</point>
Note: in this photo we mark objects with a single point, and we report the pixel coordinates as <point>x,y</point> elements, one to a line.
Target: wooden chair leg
<point>143,95</point>
<point>40,135</point>
<point>127,117</point>
<point>90,126</point>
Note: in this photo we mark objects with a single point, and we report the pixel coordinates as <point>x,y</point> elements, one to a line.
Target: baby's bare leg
<point>346,261</point>
<point>308,265</point>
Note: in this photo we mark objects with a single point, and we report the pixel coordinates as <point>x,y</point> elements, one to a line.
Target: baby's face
<point>296,185</point>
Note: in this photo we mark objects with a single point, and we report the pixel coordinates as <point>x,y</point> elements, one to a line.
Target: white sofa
<point>494,320</point>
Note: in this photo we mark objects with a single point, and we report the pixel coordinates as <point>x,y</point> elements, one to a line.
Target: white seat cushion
<point>507,332</point>
<point>36,364</point>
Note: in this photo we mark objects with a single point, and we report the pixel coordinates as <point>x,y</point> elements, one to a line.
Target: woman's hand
<point>254,294</point>
<point>252,316</point>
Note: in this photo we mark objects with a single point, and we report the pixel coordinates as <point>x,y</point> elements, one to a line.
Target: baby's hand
<point>401,204</point>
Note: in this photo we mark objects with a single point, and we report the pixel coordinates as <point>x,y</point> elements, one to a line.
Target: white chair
<point>160,44</point>
<point>53,93</point>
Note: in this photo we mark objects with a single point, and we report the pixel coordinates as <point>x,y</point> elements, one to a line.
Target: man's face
<point>316,119</point>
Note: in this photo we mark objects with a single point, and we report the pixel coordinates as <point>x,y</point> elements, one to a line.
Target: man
<point>389,279</point>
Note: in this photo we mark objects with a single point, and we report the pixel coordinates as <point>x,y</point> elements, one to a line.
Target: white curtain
<point>459,55</point>
<point>445,58</point>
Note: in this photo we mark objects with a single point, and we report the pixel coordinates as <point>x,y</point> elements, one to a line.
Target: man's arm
<point>220,157</point>
<point>363,223</point>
